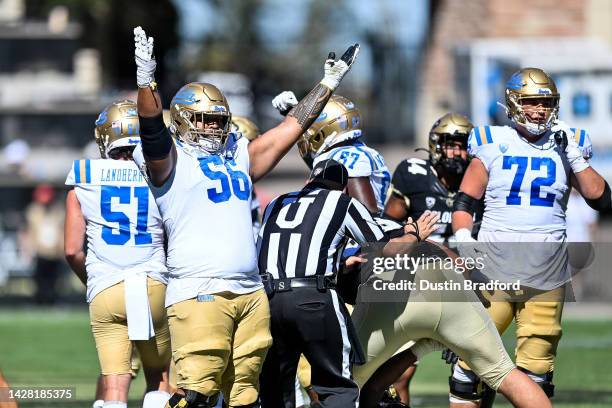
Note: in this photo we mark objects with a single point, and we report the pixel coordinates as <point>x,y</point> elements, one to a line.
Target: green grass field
<point>56,349</point>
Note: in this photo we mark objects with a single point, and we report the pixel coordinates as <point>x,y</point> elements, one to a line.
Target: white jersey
<point>528,184</point>
<point>124,229</point>
<point>206,209</point>
<point>525,202</point>
<point>362,161</point>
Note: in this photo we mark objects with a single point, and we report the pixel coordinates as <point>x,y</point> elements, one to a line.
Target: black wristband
<point>155,138</point>
<point>603,203</point>
<point>416,231</point>
<point>464,202</point>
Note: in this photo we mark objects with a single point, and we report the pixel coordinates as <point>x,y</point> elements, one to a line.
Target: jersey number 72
<point>521,163</point>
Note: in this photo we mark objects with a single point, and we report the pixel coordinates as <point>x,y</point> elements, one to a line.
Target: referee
<point>299,246</point>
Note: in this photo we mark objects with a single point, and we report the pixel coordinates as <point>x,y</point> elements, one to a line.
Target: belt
<point>319,282</point>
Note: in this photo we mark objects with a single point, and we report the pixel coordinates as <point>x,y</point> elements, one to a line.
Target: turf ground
<point>55,349</point>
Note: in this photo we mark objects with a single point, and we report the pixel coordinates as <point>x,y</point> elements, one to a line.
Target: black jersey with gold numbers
<point>416,181</point>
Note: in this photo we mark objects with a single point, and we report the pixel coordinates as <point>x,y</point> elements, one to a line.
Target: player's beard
<point>455,166</point>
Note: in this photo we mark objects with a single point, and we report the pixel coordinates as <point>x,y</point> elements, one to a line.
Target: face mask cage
<point>550,107</point>
<point>455,164</point>
<point>210,140</point>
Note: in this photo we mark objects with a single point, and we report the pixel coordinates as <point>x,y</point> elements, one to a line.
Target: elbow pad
<point>155,138</point>
<point>603,203</point>
<point>464,202</point>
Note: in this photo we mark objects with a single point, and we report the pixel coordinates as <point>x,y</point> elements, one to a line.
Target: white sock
<point>155,399</point>
<point>115,404</point>
<point>98,404</point>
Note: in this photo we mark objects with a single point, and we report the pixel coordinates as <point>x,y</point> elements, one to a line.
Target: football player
<point>218,311</point>
<point>525,173</point>
<point>419,185</point>
<point>434,319</point>
<point>336,134</point>
<point>249,129</point>
<point>125,265</point>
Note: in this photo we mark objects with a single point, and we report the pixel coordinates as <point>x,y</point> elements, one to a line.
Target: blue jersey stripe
<point>87,171</point>
<point>75,169</point>
<point>477,133</point>
<point>488,133</point>
<point>582,135</point>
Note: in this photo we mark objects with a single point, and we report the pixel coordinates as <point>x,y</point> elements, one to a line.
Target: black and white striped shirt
<point>304,232</point>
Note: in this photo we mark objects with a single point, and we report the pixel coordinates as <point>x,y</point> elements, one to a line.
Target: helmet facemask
<point>517,108</point>
<point>208,139</point>
<point>455,165</point>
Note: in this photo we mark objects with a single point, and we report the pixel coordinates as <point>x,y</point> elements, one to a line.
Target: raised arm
<point>157,147</point>
<point>267,150</point>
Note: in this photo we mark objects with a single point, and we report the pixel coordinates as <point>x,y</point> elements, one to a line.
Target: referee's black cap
<point>329,174</point>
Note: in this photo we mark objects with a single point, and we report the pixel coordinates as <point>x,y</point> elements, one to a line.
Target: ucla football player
<point>336,134</point>
<point>125,264</point>
<point>217,309</point>
<point>525,173</point>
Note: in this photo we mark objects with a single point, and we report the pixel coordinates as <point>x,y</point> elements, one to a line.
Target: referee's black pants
<point>306,320</point>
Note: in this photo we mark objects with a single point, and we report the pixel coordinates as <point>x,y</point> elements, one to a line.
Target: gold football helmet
<point>196,105</point>
<point>246,127</point>
<point>451,127</point>
<point>117,126</point>
<point>534,84</point>
<point>339,121</point>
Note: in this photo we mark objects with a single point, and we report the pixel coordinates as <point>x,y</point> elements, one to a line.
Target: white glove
<point>562,136</point>
<point>464,235</point>
<point>425,346</point>
<point>145,60</point>
<point>284,101</point>
<point>336,70</point>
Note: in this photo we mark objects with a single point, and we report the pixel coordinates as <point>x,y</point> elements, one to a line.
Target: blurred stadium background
<point>62,61</point>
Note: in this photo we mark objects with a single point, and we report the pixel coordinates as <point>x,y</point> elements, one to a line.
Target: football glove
<point>284,102</point>
<point>145,60</point>
<point>569,147</point>
<point>336,70</point>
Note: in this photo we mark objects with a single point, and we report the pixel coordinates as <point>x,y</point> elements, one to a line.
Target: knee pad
<point>488,397</point>
<point>465,384</point>
<point>543,380</point>
<point>192,399</point>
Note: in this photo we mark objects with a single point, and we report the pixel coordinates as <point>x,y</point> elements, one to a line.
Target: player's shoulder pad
<point>484,137</point>
<point>412,176</point>
<point>357,160</point>
<point>583,140</point>
<point>80,172</point>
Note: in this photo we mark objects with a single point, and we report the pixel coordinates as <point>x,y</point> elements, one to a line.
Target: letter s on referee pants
<point>305,320</point>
